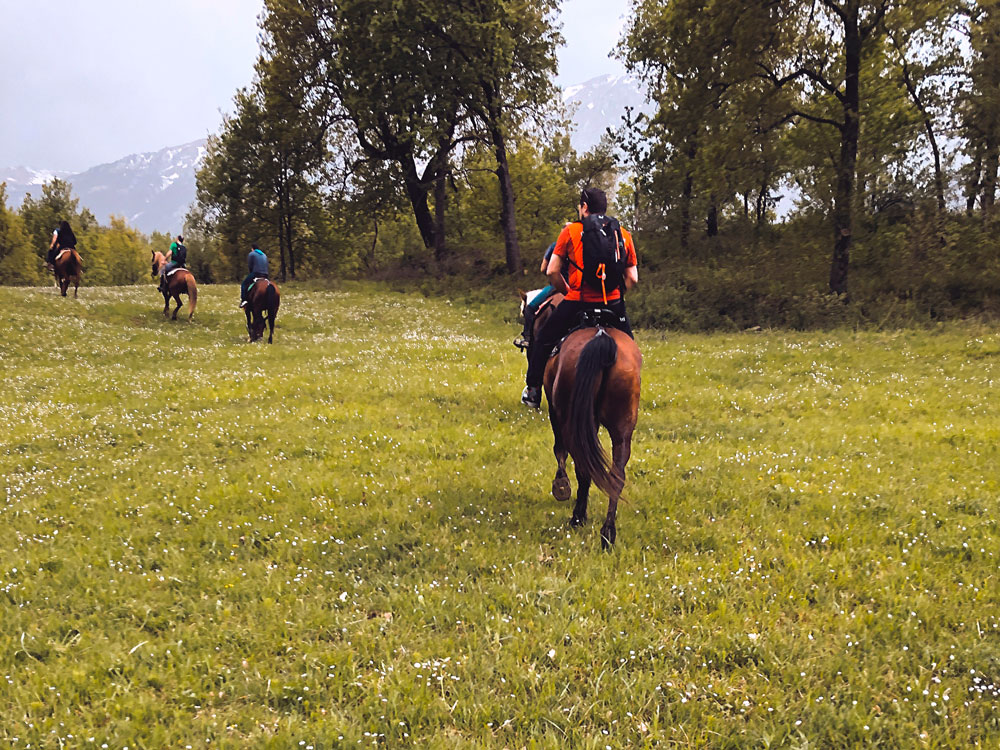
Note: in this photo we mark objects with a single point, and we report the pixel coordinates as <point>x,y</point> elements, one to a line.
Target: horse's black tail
<point>589,456</point>
<point>270,300</point>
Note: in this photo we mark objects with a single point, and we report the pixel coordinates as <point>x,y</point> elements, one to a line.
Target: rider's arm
<point>631,277</point>
<point>555,276</point>
<point>545,264</point>
<point>55,236</point>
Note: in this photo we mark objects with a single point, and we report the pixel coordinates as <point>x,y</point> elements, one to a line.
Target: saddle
<point>594,317</point>
<point>61,253</point>
<point>172,271</point>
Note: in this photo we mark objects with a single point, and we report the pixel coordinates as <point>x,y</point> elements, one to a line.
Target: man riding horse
<point>580,296</point>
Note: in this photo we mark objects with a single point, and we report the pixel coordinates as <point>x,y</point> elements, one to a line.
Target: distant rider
<point>176,258</point>
<point>531,306</point>
<point>62,239</point>
<point>569,250</point>
<point>257,264</point>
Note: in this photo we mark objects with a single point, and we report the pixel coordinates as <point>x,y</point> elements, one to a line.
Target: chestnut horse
<point>593,380</point>
<point>263,296</point>
<point>68,266</point>
<point>181,282</point>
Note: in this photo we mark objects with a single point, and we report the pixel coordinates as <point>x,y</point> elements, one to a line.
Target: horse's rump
<point>68,262</point>
<point>593,381</point>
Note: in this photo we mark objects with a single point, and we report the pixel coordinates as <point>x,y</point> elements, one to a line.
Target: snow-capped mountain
<point>599,104</point>
<point>152,191</point>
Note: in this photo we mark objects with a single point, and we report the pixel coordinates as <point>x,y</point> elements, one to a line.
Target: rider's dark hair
<point>180,239</point>
<point>65,235</point>
<point>253,246</point>
<point>596,200</point>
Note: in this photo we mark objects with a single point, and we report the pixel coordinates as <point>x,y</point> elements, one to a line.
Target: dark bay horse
<point>544,310</point>
<point>263,296</point>
<point>181,282</point>
<point>68,267</point>
<point>594,380</point>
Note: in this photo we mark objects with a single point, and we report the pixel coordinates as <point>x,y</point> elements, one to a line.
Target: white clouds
<point>591,29</point>
<point>89,82</point>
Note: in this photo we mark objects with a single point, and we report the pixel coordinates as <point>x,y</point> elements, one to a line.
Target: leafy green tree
<point>371,62</point>
<point>980,105</point>
<point>42,215</point>
<point>18,264</point>
<point>503,57</point>
<point>712,136</point>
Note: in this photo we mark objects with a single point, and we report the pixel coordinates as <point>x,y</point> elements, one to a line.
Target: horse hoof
<point>607,539</point>
<point>561,490</point>
<point>576,522</point>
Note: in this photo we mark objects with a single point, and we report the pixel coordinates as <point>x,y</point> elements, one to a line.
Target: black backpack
<point>604,256</point>
<point>180,255</point>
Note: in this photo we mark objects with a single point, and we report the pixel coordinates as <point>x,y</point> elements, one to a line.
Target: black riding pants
<point>564,317</point>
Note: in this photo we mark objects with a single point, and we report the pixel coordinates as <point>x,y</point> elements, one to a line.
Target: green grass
<point>346,538</point>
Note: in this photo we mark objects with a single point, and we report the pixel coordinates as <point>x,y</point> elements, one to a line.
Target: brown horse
<point>178,283</point>
<point>263,296</point>
<point>593,380</point>
<point>68,267</point>
<point>544,311</point>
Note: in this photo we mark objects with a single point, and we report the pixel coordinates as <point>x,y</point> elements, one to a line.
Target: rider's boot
<point>532,396</point>
<point>524,340</point>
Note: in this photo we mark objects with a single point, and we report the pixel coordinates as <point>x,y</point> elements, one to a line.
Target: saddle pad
<point>172,271</point>
<point>62,253</point>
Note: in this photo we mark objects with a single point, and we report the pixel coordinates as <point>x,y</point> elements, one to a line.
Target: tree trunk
<point>973,186</point>
<point>416,191</point>
<point>760,209</point>
<point>843,209</point>
<point>990,176</point>
<point>687,194</point>
<point>440,197</point>
<point>929,128</point>
<point>507,221</point>
<point>289,236</point>
<point>712,220</point>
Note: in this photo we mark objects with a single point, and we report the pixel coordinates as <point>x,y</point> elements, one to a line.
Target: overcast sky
<point>88,82</point>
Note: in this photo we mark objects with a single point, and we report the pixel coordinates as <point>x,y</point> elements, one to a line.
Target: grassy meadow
<point>347,538</point>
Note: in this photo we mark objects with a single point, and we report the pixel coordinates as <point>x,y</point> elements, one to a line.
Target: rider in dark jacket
<point>62,239</point>
<point>257,265</point>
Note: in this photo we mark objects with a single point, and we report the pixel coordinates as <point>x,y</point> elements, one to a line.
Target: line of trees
<point>115,254</point>
<point>376,131</point>
<point>857,107</point>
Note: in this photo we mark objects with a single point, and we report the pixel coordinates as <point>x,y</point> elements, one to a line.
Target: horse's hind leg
<point>621,450</point>
<point>270,325</point>
<point>76,287</point>
<point>561,489</point>
<point>177,299</point>
<point>582,491</point>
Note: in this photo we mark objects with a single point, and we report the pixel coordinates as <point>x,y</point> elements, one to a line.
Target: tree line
<point>116,254</point>
<point>796,147</point>
<point>376,132</point>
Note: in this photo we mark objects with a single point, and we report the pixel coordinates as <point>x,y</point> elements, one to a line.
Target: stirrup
<point>522,342</point>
